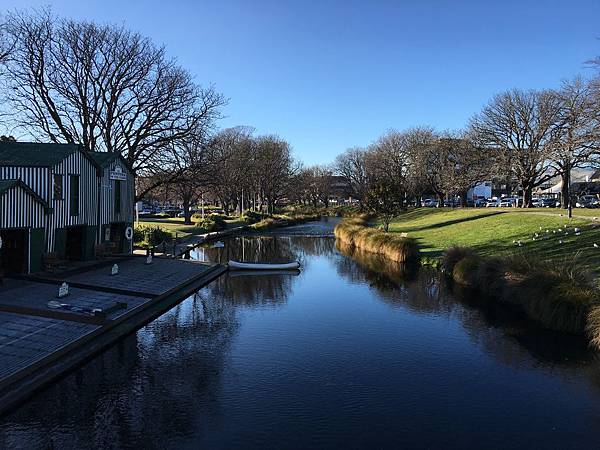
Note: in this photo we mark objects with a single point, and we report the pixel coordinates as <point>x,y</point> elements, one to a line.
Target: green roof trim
<point>7,185</point>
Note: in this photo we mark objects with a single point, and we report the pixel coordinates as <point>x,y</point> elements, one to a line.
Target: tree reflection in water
<point>496,327</point>
<point>177,380</point>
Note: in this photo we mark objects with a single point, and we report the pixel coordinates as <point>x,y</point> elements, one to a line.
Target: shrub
<point>251,217</point>
<point>150,235</point>
<point>210,225</point>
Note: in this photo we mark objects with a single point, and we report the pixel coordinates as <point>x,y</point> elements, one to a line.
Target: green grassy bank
<point>541,261</point>
<point>498,231</point>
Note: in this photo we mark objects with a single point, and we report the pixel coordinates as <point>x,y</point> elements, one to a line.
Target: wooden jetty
<point>39,344</point>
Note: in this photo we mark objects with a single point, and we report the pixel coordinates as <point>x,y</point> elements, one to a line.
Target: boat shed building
<point>57,200</point>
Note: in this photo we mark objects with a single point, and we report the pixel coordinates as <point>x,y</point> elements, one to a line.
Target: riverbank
<point>544,263</point>
<point>357,232</point>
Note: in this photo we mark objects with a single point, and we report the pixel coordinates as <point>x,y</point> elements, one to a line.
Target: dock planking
<point>137,278</point>
<point>39,344</point>
<point>25,340</point>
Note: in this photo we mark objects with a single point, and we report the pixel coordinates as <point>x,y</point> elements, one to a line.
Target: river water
<point>349,352</point>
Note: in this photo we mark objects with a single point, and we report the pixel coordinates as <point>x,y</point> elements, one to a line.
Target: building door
<point>14,252</point>
<point>75,243</point>
<point>117,235</point>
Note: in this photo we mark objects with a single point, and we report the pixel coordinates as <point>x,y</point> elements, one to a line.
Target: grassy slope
<point>491,231</point>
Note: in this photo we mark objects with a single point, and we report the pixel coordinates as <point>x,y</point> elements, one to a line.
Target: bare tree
<point>578,141</point>
<point>103,87</point>
<point>352,166</point>
<point>523,126</point>
<point>276,165</point>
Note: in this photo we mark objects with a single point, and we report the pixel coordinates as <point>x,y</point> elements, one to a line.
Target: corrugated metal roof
<point>34,154</point>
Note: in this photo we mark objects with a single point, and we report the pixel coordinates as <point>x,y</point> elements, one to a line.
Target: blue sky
<point>328,75</point>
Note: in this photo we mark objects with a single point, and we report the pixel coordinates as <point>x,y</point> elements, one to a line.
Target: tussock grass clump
<point>453,255</point>
<point>356,232</point>
<point>465,271</point>
<point>560,294</point>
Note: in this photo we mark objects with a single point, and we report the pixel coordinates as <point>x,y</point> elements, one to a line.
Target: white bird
<point>540,228</point>
<point>577,234</point>
<point>560,241</point>
<point>547,231</point>
<point>519,243</point>
<point>577,230</point>
<point>560,230</point>
<point>595,245</point>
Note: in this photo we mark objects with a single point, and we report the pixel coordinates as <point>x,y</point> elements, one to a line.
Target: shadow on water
<point>425,290</point>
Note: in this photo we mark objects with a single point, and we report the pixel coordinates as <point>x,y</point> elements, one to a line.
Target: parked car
<point>547,203</point>
<point>478,203</point>
<point>430,203</point>
<point>507,202</point>
<point>491,203</point>
<point>452,202</point>
<point>587,201</point>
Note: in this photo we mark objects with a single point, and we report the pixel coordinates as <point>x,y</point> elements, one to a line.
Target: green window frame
<point>58,186</point>
<point>74,194</point>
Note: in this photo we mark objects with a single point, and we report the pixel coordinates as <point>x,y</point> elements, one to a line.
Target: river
<point>348,352</point>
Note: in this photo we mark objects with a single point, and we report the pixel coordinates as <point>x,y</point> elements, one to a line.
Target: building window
<point>58,187</point>
<point>117,197</point>
<point>74,194</point>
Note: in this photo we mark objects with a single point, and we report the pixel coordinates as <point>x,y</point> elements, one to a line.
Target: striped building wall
<point>74,164</point>
<point>18,209</point>
<point>34,177</point>
<point>107,205</point>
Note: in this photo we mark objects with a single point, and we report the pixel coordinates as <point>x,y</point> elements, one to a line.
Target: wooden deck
<point>39,344</point>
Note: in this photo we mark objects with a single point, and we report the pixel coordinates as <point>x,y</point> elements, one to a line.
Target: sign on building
<point>118,174</point>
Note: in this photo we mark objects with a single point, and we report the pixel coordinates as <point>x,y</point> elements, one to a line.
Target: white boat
<point>263,266</point>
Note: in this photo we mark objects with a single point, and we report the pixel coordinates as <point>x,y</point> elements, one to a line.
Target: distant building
<point>57,199</point>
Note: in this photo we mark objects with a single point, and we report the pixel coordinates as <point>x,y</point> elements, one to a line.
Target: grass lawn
<point>491,231</point>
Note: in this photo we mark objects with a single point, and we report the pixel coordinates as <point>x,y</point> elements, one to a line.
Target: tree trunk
<point>187,214</point>
<point>527,194</point>
<point>440,200</point>
<point>463,199</point>
<point>565,190</point>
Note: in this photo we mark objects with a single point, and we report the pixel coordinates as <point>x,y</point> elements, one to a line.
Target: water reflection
<point>487,322</point>
<point>352,351</point>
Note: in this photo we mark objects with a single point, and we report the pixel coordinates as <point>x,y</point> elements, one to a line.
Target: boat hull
<point>260,266</point>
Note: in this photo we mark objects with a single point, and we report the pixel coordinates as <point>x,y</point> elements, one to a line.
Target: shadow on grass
<point>453,222</point>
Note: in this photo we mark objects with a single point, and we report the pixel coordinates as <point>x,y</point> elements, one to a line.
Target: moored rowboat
<point>263,266</point>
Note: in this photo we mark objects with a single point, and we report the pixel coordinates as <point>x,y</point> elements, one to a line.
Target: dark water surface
<point>348,353</point>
